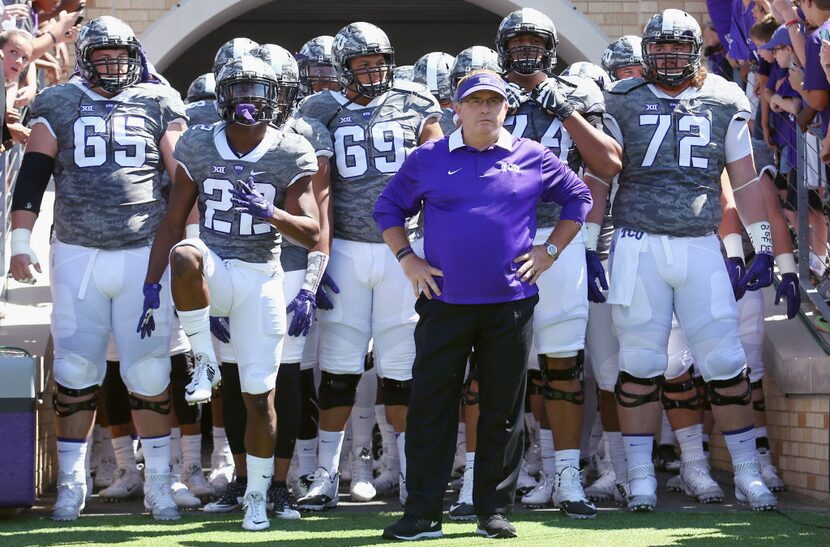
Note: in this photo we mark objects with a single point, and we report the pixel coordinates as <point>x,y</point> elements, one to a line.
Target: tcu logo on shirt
<point>506,167</point>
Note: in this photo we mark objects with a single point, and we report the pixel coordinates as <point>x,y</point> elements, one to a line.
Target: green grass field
<point>343,529</point>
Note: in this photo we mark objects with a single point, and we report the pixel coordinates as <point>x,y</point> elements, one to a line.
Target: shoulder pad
<point>413,88</point>
<point>626,86</point>
<point>588,93</point>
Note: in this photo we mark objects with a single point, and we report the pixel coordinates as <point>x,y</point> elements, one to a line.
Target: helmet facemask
<point>528,59</point>
<point>323,74</point>
<point>674,68</point>
<point>113,74</point>
<point>379,77</point>
<point>248,100</point>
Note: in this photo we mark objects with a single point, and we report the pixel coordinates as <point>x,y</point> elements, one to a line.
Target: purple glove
<point>152,301</point>
<point>736,269</point>
<point>595,273</point>
<point>220,328</point>
<point>323,300</point>
<point>788,288</point>
<point>759,273</point>
<point>247,199</point>
<point>303,307</point>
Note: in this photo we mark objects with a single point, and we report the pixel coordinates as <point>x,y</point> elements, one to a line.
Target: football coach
<point>477,190</point>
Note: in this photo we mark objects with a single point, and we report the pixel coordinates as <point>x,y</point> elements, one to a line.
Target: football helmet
<point>622,52</point>
<point>472,58</point>
<point>288,76</point>
<point>403,73</point>
<point>433,71</point>
<point>671,68</point>
<point>237,47</point>
<point>356,40</point>
<point>203,88</point>
<point>112,75</point>
<point>590,71</point>
<point>314,61</point>
<point>526,59</point>
<point>246,91</point>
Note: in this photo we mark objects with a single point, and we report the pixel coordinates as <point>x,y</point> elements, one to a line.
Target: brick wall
<point>798,427</point>
<point>140,14</point>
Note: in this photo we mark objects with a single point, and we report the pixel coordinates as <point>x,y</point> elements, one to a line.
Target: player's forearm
<point>305,230</point>
<point>599,192</point>
<point>23,219</point>
<point>600,152</point>
<point>781,240</point>
<point>321,186</point>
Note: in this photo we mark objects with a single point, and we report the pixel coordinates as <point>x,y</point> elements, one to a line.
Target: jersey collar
<point>344,102</point>
<point>220,140</point>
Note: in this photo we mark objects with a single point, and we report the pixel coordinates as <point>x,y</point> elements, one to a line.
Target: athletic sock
<point>72,457</point>
<point>156,454</point>
<point>196,325</point>
<point>616,453</point>
<point>566,458</point>
<point>124,453</point>
<point>741,445</point>
<point>192,450</point>
<point>306,456</point>
<point>329,447</point>
<point>260,471</point>
<point>548,452</point>
<point>691,442</point>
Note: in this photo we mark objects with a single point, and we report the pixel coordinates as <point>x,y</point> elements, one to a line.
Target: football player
<point>433,70</point>
<point>373,124</point>
<point>623,58</point>
<point>233,269</point>
<point>564,114</point>
<point>203,88</point>
<point>316,69</point>
<point>664,240</point>
<point>119,133</point>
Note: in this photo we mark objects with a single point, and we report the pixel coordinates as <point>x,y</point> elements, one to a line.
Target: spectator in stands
<point>714,52</point>
<point>760,34</point>
<point>740,53</point>
<point>16,46</point>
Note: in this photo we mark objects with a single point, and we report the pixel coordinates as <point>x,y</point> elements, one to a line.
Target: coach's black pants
<point>500,334</point>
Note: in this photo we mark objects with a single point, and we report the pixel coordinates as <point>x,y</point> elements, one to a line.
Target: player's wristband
<point>760,236</point>
<point>734,245</point>
<point>590,233</point>
<point>191,231</point>
<point>786,263</point>
<point>315,267</point>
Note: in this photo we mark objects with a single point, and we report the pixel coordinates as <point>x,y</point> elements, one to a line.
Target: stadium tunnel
<point>182,42</point>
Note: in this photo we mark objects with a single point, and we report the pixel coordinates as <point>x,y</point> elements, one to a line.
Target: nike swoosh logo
<point>260,522</point>
<point>365,417</point>
<point>255,173</point>
<point>159,445</point>
<point>640,444</point>
<point>454,172</point>
<point>433,523</point>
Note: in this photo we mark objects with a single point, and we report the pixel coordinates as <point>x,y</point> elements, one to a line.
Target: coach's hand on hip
<point>535,261</point>
<point>421,275</point>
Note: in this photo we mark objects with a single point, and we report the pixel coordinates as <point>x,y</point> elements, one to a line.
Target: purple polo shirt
<point>742,20</point>
<point>814,77</point>
<point>720,12</point>
<point>479,210</point>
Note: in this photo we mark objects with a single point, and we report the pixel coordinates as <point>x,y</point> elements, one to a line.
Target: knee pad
<point>690,402</point>
<point>337,389</point>
<point>159,407</point>
<point>725,400</point>
<point>396,392</point>
<point>758,406</point>
<point>64,409</point>
<point>632,400</point>
<point>535,383</point>
<point>555,375</point>
<point>180,366</point>
<point>148,377</point>
<point>117,404</point>
<point>470,394</point>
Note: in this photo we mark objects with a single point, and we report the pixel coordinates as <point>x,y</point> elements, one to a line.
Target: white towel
<point>626,258</point>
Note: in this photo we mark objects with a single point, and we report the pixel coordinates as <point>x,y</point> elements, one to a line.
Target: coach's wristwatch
<point>552,250</point>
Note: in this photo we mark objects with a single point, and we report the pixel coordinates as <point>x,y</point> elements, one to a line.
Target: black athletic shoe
<point>230,499</point>
<point>410,528</point>
<point>281,502</point>
<point>495,526</point>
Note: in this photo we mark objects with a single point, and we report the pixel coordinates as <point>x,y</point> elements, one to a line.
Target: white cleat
<point>569,496</point>
<point>71,498</point>
<point>220,478</point>
<point>463,508</point>
<point>696,481</point>
<point>525,482</point>
<point>362,488</point>
<point>769,472</point>
<point>604,488</point>
<point>541,495</point>
<point>206,376</point>
<point>183,497</point>
<point>158,497</point>
<point>104,472</point>
<point>194,478</point>
<point>533,457</point>
<point>750,487</point>
<point>322,494</point>
<point>127,483</point>
<point>642,480</point>
<point>386,483</point>
<point>256,512</point>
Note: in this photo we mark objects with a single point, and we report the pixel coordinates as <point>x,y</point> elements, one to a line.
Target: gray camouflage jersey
<point>370,144</point>
<point>277,162</point>
<point>531,122</point>
<point>673,154</point>
<point>447,121</point>
<point>108,190</point>
<point>202,113</point>
<point>294,257</point>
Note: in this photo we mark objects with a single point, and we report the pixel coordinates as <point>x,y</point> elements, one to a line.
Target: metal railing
<point>9,167</point>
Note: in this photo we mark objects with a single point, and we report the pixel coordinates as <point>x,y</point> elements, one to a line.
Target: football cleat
<point>282,503</point>
<point>533,457</point>
<point>769,472</point>
<point>362,487</point>
<point>569,496</point>
<point>696,482</point>
<point>220,478</point>
<point>127,483</point>
<point>183,497</point>
<point>604,488</point>
<point>750,487</point>
<point>194,478</point>
<point>206,375</point>
<point>540,496</point>
<point>158,497</point>
<point>256,514</point>
<point>322,494</point>
<point>71,498</point>
<point>386,483</point>
<point>104,472</point>
<point>642,480</point>
<point>463,508</point>
<point>525,483</point>
<point>230,499</point>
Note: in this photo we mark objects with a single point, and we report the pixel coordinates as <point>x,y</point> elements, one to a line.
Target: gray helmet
<point>472,58</point>
<point>236,47</point>
<point>528,59</point>
<point>358,39</point>
<point>672,26</point>
<point>246,91</point>
<point>107,32</point>
<point>202,88</point>
<point>433,71</point>
<point>315,63</point>
<point>622,52</point>
<point>288,76</point>
<point>588,70</point>
<point>403,73</point>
